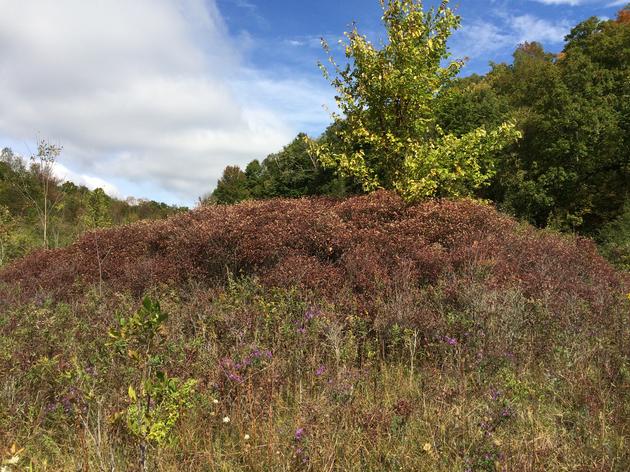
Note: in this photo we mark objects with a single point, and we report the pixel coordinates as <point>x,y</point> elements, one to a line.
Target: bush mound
<point>361,334</point>
<point>363,245</point>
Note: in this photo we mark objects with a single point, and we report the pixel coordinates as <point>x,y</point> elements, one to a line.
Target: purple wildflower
<point>235,377</point>
<point>310,314</point>
<point>299,434</point>
<point>67,405</point>
<point>450,341</point>
<point>320,371</point>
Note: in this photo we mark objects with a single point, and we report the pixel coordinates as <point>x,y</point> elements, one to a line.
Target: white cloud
<point>480,37</point>
<point>531,28</point>
<point>62,172</point>
<point>146,91</point>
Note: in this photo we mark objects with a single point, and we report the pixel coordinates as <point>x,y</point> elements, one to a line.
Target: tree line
<point>38,210</point>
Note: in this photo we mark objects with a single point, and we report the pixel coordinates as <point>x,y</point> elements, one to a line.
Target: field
<point>317,334</point>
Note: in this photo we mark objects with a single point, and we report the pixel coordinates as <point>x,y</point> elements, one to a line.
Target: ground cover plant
<point>318,334</point>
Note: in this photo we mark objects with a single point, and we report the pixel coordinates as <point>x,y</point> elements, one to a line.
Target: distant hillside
<point>27,189</point>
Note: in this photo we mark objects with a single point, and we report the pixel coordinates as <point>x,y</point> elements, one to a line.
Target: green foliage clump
<point>96,213</point>
<point>7,228</point>
<point>232,186</point>
<point>292,172</point>
<point>157,401</point>
<point>614,239</point>
<point>388,131</point>
<point>153,423</point>
<point>571,169</point>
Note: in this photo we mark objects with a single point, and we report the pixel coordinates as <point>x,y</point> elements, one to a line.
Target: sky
<point>153,98</point>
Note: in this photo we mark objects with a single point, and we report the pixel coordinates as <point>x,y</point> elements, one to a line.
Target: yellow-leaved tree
<point>386,133</point>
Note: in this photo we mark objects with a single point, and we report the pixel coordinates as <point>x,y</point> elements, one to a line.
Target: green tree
<point>292,172</point>
<point>7,227</point>
<point>572,168</point>
<point>232,187</point>
<point>12,170</point>
<point>470,103</point>
<point>614,239</point>
<point>296,172</point>
<point>96,213</point>
<point>388,135</point>
<point>45,198</point>
<point>255,175</point>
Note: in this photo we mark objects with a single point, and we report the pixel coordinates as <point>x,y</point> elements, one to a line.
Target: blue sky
<point>284,34</point>
<point>153,98</point>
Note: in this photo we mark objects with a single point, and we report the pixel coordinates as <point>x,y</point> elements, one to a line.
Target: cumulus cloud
<point>531,28</point>
<point>150,91</point>
<point>63,173</point>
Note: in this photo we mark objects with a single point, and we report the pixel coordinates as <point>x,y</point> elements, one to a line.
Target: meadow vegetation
<point>357,334</point>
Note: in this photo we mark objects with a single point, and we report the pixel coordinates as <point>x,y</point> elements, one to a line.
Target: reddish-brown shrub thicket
<point>361,244</point>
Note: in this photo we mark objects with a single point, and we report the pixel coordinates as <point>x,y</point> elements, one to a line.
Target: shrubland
<point>315,334</point>
<point>39,210</point>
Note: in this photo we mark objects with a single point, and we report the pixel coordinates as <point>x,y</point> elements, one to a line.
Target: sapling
<point>156,400</point>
